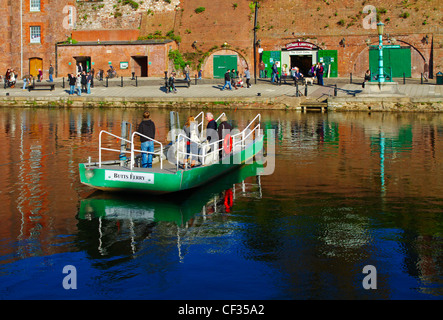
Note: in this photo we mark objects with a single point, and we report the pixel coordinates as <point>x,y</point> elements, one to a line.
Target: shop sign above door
<point>300,45</point>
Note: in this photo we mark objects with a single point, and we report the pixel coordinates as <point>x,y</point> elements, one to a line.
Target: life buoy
<point>227,143</point>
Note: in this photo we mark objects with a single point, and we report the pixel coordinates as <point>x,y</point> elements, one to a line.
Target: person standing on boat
<point>191,131</point>
<point>147,128</point>
<point>211,128</point>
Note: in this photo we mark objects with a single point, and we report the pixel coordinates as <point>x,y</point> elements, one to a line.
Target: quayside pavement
<point>209,90</point>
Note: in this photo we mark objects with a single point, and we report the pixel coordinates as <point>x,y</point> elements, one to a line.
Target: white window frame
<point>35,37</point>
<point>34,5</point>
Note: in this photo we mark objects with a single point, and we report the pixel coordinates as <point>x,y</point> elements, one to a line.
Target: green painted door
<point>329,59</point>
<point>396,59</point>
<point>269,58</point>
<point>223,63</point>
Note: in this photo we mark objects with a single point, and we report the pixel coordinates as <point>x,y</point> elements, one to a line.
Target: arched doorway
<point>219,61</point>
<point>34,65</point>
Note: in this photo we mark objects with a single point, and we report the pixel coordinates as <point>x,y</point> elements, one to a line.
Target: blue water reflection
<point>348,190</point>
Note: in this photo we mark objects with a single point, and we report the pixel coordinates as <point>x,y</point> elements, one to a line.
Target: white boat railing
<point>147,152</point>
<point>100,148</point>
<point>238,139</point>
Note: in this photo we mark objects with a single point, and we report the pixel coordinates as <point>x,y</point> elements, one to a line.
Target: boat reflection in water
<point>114,224</point>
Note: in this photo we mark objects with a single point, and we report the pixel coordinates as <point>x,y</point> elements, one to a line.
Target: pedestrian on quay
<point>147,129</point>
<point>89,78</point>
<point>233,77</point>
<point>26,81</point>
<point>248,77</point>
<point>319,72</point>
<point>84,81</point>
<point>187,71</point>
<point>227,80</point>
<point>274,75</point>
<point>78,84</point>
<point>51,73</point>
<point>71,80</point>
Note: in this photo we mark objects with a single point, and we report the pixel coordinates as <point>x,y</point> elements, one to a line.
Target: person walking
<point>274,73</point>
<point>248,77</point>
<point>72,81</point>
<point>233,77</point>
<point>187,71</point>
<point>51,73</point>
<point>227,80</point>
<point>147,129</point>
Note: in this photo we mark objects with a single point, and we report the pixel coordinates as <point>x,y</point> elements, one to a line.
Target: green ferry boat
<point>169,172</point>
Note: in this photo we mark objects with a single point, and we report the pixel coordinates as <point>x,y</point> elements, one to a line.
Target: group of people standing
<point>10,78</point>
<point>192,153</point>
<point>234,79</point>
<point>316,71</point>
<point>80,82</point>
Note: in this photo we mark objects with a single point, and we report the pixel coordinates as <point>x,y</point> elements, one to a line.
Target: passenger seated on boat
<point>224,132</point>
<point>211,128</point>
<point>191,131</point>
<point>147,128</point>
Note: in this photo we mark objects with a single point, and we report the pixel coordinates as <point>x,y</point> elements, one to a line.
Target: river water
<point>349,190</point>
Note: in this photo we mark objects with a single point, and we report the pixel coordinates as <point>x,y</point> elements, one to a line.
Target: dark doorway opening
<point>140,66</point>
<point>84,61</point>
<point>303,62</point>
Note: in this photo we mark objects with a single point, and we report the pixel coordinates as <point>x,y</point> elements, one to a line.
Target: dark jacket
<point>227,76</point>
<point>224,126</point>
<point>147,128</point>
<point>211,125</point>
<point>83,78</point>
<point>72,81</point>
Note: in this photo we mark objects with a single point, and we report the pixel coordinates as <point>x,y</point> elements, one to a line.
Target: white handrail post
<point>100,149</point>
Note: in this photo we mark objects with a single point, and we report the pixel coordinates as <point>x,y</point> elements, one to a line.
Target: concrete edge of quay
<point>277,103</point>
<point>401,103</point>
<point>392,103</point>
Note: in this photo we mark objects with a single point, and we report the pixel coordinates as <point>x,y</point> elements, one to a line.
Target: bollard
<point>195,79</point>
<point>121,81</point>
<point>106,82</point>
<point>335,90</point>
<point>306,90</point>
<point>421,81</point>
<point>63,82</point>
<point>296,89</point>
<point>350,78</point>
<point>404,78</point>
<point>136,81</point>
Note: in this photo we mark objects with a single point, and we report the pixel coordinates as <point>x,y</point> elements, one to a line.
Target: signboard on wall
<point>300,45</point>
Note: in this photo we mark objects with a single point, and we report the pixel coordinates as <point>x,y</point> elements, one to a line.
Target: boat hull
<point>124,180</point>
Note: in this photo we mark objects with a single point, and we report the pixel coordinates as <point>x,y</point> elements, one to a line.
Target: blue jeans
<point>227,83</point>
<point>50,78</point>
<point>88,88</point>
<point>71,89</point>
<point>187,77</point>
<point>147,158</point>
<point>320,79</point>
<point>79,91</point>
<point>24,83</point>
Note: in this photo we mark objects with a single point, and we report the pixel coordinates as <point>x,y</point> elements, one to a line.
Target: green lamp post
<point>381,77</point>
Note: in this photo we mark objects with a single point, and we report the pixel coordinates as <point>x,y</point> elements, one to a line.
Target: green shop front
<point>299,54</point>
